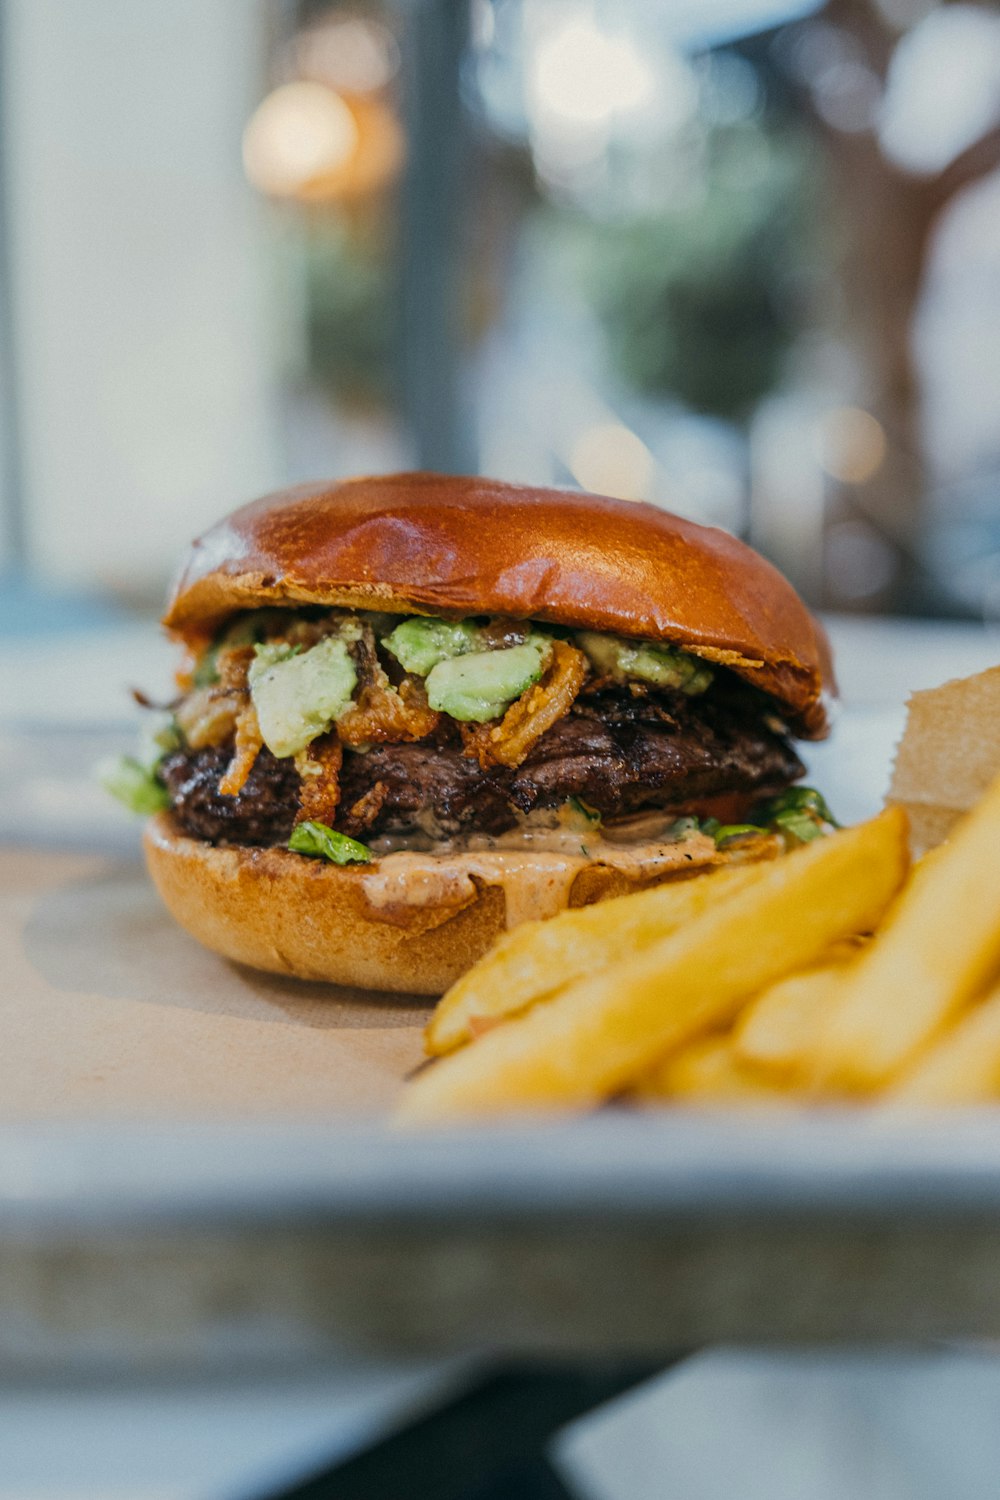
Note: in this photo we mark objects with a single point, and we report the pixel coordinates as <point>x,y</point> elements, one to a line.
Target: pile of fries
<point>837,973</point>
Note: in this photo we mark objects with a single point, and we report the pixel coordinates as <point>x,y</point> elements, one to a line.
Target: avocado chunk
<point>481,684</point>
<point>298,695</point>
<point>662,666</point>
<point>419,643</point>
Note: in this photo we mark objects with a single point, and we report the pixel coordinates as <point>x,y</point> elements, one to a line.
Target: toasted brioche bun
<point>431,544</point>
<point>434,544</point>
<point>287,914</point>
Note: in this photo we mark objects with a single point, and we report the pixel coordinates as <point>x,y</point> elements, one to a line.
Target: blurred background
<point>737,257</point>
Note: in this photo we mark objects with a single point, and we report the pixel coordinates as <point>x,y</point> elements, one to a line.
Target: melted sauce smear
<point>534,869</point>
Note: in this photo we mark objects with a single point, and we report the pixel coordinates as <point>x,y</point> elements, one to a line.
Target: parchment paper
<point>108,1009</point>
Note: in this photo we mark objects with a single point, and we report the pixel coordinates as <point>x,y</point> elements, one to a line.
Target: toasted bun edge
<point>438,544</point>
<point>286,914</point>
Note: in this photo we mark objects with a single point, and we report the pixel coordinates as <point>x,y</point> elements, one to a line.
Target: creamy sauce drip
<point>535,869</point>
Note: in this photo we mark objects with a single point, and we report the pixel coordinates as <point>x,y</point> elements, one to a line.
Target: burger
<point>416,710</point>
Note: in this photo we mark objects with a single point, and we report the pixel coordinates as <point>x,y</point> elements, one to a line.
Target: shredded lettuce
<point>726,831</point>
<point>321,842</point>
<point>134,785</point>
<point>159,733</point>
<point>800,814</point>
<point>802,800</point>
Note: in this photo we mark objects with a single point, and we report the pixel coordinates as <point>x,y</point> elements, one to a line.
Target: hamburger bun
<point>352,925</point>
<point>436,544</point>
<point>454,547</point>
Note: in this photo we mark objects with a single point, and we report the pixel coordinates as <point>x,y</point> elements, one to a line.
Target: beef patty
<point>618,749</point>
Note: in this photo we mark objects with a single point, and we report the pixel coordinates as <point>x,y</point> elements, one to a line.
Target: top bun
<point>436,544</point>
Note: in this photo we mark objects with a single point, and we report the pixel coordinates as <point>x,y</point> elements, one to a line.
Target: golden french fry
<point>939,947</point>
<point>708,1072</point>
<point>538,958</point>
<point>962,1068</point>
<point>776,1029</point>
<point>601,1033</point>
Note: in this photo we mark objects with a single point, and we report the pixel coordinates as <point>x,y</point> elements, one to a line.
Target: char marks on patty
<point>618,749</point>
<point>262,813</point>
<point>621,763</point>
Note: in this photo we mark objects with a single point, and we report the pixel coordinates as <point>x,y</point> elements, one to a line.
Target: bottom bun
<point>410,923</point>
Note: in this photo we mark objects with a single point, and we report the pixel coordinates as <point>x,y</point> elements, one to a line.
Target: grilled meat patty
<point>262,813</point>
<point>618,749</point>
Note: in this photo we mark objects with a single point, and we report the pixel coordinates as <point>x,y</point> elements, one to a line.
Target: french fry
<point>538,958</point>
<point>599,1034</point>
<point>938,948</point>
<point>709,1072</point>
<point>962,1068</point>
<point>778,1026</point>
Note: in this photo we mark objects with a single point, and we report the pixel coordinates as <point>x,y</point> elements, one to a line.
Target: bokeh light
<point>299,134</point>
<point>583,76</point>
<point>852,444</point>
<point>943,88</point>
<point>609,459</point>
<point>860,563</point>
<point>352,54</point>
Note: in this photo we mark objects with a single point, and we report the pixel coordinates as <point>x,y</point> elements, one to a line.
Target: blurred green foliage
<point>350,280</point>
<point>702,302</point>
<point>699,302</point>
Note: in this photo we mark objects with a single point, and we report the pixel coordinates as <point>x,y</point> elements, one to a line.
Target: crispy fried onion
<point>233,666</point>
<point>385,715</point>
<point>245,751</point>
<point>319,766</point>
<point>510,741</point>
<point>209,715</point>
<point>367,808</point>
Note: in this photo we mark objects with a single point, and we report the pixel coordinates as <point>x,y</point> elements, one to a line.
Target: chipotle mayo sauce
<point>535,869</point>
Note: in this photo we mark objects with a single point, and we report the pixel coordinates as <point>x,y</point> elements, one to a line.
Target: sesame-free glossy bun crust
<point>436,544</point>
